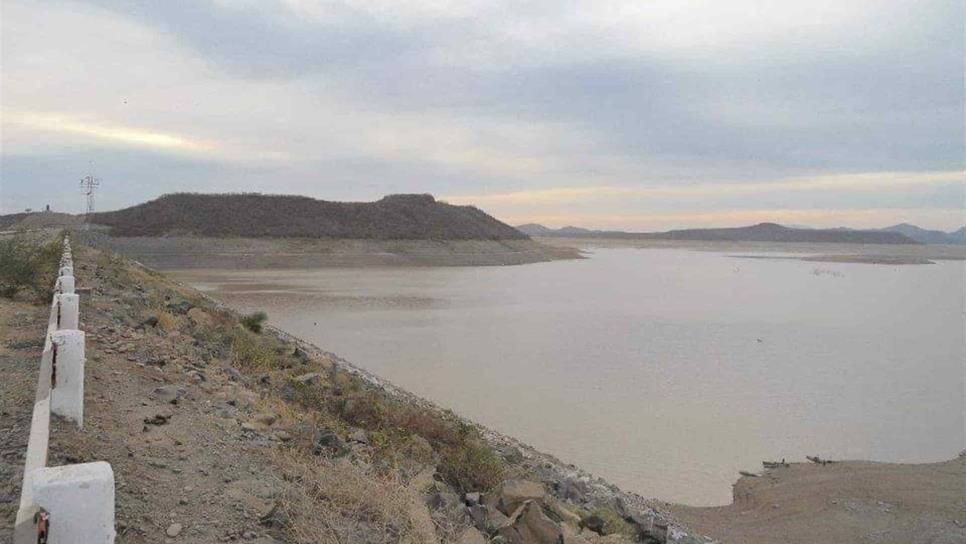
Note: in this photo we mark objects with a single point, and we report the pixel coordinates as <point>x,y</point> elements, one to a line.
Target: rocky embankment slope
<point>220,433</point>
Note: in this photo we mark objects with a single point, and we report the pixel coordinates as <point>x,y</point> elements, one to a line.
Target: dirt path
<point>22,328</point>
<point>848,502</point>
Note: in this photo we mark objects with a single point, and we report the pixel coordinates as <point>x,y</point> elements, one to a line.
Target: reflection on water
<point>663,370</point>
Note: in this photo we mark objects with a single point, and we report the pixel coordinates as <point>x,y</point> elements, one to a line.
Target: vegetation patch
<point>29,265</point>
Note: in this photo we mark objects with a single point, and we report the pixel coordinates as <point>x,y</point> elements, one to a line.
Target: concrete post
<point>69,311</point>
<point>65,284</point>
<point>67,375</point>
<point>79,500</point>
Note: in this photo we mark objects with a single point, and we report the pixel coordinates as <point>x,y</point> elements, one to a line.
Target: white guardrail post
<point>70,504</point>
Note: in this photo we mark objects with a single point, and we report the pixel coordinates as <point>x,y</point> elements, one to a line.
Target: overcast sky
<point>632,114</point>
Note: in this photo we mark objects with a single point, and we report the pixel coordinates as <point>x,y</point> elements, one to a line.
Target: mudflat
<point>844,502</point>
<point>889,254</point>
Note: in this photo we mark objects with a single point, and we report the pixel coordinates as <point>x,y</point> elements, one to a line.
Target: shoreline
<point>290,253</point>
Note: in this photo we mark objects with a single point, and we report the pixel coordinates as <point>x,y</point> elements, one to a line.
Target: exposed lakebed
<point>663,370</point>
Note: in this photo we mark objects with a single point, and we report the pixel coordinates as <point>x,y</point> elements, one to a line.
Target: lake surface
<point>665,371</point>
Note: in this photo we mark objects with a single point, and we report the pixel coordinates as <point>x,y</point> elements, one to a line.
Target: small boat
<point>818,460</point>
<point>774,464</point>
<point>748,474</point>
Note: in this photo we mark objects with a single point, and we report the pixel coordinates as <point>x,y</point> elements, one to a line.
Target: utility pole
<point>88,184</point>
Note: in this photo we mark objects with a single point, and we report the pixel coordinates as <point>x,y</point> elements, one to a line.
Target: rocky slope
<point>219,433</point>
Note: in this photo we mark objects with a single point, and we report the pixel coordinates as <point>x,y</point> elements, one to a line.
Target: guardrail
<point>69,504</point>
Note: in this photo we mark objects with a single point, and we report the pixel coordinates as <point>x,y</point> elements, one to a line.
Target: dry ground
<point>842,503</point>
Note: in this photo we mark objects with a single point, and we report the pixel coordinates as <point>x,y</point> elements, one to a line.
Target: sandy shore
<point>847,502</point>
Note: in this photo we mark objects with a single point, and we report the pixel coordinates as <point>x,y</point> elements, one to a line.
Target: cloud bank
<point>618,114</point>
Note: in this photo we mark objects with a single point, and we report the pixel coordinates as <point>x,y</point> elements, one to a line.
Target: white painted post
<point>67,395</point>
<point>68,311</point>
<point>80,501</point>
<point>65,284</point>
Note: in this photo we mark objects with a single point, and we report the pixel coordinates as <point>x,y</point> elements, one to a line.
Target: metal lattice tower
<point>88,184</point>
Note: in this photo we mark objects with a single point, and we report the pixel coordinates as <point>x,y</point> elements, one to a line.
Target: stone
<point>514,492</point>
<point>531,526</point>
<point>472,536</point>
<point>561,513</point>
<point>179,307</point>
<point>472,499</point>
<point>441,497</point>
<point>488,519</point>
<point>161,418</point>
<point>328,444</point>
<point>360,436</point>
<point>311,378</point>
<point>174,530</point>
<point>169,394</point>
<point>151,321</point>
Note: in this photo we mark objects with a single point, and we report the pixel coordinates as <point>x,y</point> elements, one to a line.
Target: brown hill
<point>395,217</point>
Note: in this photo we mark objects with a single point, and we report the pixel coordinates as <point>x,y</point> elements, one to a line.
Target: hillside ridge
<point>254,215</point>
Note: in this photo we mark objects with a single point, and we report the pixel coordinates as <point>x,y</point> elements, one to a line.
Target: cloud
<point>590,107</point>
<point>868,180</point>
<point>73,124</point>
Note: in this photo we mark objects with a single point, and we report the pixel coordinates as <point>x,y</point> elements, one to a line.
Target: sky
<point>633,115</point>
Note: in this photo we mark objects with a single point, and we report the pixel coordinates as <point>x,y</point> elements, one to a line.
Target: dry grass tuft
<point>340,503</point>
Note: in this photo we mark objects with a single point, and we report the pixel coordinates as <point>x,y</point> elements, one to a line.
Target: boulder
<point>441,497</point>
<point>558,512</point>
<point>513,493</point>
<point>486,519</point>
<point>529,525</point>
<point>471,536</point>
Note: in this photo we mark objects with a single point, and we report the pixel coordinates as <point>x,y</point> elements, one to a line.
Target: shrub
<point>253,321</point>
<point>471,466</point>
<point>250,351</point>
<point>614,523</point>
<point>28,265</point>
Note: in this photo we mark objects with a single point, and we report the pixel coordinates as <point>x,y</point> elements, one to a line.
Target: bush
<point>28,265</point>
<point>253,321</point>
<point>471,466</point>
<point>250,351</point>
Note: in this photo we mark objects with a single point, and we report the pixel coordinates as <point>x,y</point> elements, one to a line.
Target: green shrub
<point>614,523</point>
<point>251,352</point>
<point>471,466</point>
<point>28,265</point>
<point>253,321</point>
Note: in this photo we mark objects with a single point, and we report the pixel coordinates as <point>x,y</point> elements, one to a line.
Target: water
<point>663,370</point>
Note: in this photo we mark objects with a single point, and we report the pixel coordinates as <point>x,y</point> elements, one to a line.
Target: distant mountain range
<point>925,236</point>
<point>770,232</point>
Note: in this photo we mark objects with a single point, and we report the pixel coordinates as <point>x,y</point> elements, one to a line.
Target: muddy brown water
<point>665,371</point>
